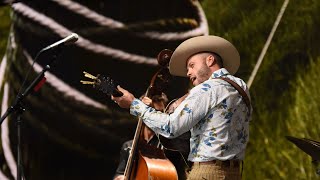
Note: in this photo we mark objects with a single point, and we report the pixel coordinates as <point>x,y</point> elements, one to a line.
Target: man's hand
<point>125,100</point>
<point>120,177</point>
<point>147,101</point>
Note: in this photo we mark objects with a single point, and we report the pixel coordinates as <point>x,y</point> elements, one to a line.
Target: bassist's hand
<point>125,100</point>
<point>120,177</point>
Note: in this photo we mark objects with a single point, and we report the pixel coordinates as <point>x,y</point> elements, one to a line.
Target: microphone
<point>72,38</point>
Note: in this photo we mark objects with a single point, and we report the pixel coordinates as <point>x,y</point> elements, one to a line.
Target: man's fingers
<point>125,100</point>
<point>120,88</point>
<point>146,101</point>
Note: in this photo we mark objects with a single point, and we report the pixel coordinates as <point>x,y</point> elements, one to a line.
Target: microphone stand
<point>18,108</point>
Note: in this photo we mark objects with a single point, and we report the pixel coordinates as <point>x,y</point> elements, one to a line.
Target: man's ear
<point>210,61</point>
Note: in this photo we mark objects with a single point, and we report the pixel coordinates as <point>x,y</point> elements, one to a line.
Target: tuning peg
<point>87,82</point>
<point>86,74</point>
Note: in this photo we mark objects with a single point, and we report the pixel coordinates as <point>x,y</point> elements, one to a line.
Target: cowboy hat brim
<point>228,53</point>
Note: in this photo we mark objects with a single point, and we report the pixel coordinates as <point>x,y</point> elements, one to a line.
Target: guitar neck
<point>117,93</point>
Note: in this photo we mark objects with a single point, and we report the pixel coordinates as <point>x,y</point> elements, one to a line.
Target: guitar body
<point>153,164</point>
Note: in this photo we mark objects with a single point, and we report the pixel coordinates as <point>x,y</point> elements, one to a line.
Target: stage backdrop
<point>70,130</point>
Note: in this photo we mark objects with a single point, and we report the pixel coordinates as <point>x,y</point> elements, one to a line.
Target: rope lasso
<point>82,42</point>
<point>266,46</point>
<point>111,23</point>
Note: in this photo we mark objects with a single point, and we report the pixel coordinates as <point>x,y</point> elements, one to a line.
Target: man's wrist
<point>137,107</point>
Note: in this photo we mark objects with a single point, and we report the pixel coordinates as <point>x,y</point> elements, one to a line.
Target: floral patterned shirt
<point>214,112</point>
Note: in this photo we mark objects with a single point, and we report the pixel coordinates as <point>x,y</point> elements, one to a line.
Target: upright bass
<point>146,161</point>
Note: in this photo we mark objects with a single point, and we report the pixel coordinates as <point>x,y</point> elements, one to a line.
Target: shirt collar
<point>218,73</point>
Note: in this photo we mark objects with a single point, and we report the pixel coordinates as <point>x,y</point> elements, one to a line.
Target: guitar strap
<point>240,90</point>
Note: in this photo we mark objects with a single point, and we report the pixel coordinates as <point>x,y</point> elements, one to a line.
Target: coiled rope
<point>5,141</point>
<point>82,42</point>
<point>111,23</point>
<point>99,48</point>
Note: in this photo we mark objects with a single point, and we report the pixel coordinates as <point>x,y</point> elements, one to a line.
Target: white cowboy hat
<point>228,53</point>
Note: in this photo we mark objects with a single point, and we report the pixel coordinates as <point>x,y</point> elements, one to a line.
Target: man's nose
<point>188,73</point>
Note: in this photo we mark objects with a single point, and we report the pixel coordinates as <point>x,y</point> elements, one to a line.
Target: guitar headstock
<point>103,83</point>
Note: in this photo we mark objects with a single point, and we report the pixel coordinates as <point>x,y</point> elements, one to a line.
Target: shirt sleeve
<point>187,114</point>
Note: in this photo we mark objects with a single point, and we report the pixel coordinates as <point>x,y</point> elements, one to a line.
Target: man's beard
<point>203,74</point>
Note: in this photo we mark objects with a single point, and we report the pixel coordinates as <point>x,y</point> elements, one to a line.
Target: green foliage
<point>4,28</point>
<point>284,92</point>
